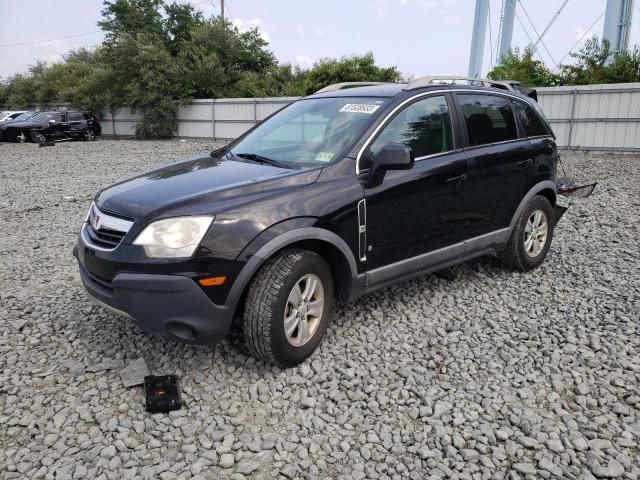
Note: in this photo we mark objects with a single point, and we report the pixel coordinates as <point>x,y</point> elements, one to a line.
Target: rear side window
<point>75,117</point>
<point>425,126</point>
<point>531,121</point>
<point>489,119</point>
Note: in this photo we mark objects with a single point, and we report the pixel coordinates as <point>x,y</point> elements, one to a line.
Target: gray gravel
<point>494,375</point>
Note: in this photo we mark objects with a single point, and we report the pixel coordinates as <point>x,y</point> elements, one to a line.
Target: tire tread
<point>261,301</point>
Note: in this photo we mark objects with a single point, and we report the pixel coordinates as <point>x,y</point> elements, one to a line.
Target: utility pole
<point>617,22</point>
<point>477,40</point>
<point>222,9</point>
<point>506,27</point>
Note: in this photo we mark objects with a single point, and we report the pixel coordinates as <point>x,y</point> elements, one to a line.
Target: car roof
<point>392,89</point>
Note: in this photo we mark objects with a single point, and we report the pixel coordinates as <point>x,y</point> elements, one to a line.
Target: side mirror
<point>392,156</point>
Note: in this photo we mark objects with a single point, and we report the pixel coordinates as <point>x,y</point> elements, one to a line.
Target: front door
<point>56,127</point>
<point>415,211</point>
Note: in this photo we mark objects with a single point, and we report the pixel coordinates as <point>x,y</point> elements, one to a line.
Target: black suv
<point>337,195</point>
<point>52,126</point>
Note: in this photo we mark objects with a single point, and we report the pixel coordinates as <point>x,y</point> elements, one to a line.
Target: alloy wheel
<point>303,310</point>
<point>535,233</point>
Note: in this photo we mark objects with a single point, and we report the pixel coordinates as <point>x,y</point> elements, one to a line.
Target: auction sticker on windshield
<point>359,108</point>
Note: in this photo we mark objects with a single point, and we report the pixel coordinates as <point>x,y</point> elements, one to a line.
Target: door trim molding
<point>435,259</point>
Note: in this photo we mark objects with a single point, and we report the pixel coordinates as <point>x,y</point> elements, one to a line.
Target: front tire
<point>288,307</point>
<point>20,137</point>
<point>531,236</point>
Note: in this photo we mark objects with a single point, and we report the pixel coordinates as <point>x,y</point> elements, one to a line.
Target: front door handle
<point>457,180</point>
<point>526,163</point>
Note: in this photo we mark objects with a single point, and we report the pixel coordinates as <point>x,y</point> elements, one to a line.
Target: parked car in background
<point>10,115</point>
<point>52,126</point>
<point>337,195</point>
<point>19,118</point>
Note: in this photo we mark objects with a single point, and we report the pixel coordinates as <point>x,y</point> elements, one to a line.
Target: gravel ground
<point>494,375</point>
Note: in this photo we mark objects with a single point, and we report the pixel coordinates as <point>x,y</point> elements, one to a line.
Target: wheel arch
<point>546,188</point>
<point>324,242</point>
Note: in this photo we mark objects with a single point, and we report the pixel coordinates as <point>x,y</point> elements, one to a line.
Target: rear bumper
<point>170,306</point>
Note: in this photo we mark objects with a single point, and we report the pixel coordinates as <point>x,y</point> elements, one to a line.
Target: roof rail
<point>434,80</point>
<point>343,85</point>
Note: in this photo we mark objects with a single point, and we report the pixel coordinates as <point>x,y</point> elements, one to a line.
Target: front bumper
<point>170,306</point>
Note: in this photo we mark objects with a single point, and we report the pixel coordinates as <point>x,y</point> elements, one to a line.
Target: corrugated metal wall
<point>222,118</point>
<point>594,117</point>
<point>591,117</point>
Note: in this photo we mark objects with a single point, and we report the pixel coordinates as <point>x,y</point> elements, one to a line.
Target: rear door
<point>76,125</point>
<point>544,151</point>
<point>417,211</point>
<point>499,161</point>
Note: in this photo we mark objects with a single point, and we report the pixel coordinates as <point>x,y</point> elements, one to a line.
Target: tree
<point>218,56</point>
<point>523,68</point>
<point>131,17</point>
<point>356,68</point>
<point>590,63</point>
<point>181,20</point>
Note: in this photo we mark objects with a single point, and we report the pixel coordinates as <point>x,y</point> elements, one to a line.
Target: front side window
<point>530,120</point>
<point>310,132</point>
<point>489,119</point>
<point>425,126</point>
<point>46,117</point>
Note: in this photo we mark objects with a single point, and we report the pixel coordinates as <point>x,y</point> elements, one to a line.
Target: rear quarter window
<point>530,120</point>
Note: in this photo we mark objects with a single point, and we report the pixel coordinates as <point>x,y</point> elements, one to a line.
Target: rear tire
<point>531,236</point>
<point>37,137</point>
<point>89,135</point>
<point>288,307</point>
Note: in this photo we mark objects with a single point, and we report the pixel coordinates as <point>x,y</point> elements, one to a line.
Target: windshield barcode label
<point>359,108</point>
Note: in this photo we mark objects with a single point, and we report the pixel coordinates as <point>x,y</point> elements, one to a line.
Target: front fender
<point>275,242</point>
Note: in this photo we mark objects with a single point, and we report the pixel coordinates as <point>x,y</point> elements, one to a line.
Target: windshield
<point>23,116</point>
<point>309,132</point>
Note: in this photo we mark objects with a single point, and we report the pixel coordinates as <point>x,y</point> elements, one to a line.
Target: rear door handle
<point>526,163</point>
<point>457,180</point>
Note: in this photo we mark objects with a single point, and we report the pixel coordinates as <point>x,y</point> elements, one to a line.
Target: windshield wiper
<point>260,159</point>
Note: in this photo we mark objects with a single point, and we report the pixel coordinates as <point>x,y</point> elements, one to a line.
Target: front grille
<point>104,230</point>
<point>105,237</point>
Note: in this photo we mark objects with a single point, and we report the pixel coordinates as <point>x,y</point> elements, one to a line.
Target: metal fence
<point>591,117</point>
<point>594,117</point>
<point>220,119</point>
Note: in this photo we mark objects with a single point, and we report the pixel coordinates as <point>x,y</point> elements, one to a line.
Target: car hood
<point>198,185</point>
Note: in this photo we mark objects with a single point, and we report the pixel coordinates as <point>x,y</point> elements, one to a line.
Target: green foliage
<point>523,68</point>
<point>348,69</point>
<point>590,66</point>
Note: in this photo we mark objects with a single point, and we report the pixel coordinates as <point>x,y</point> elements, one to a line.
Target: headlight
<point>173,237</point>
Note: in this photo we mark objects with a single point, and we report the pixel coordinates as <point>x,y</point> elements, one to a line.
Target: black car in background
<point>52,126</point>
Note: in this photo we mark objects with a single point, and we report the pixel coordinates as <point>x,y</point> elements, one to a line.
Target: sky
<point>419,37</point>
